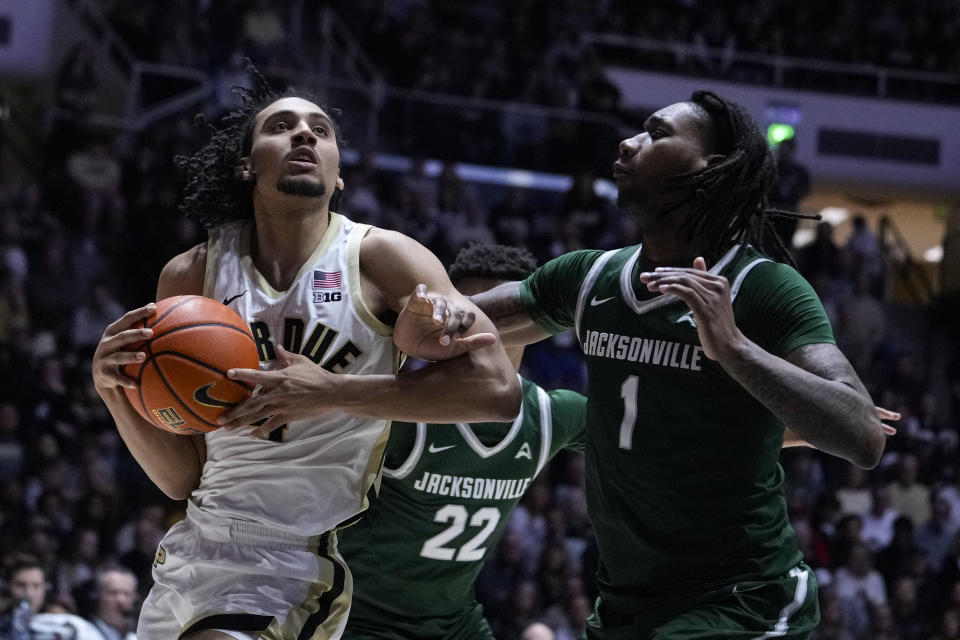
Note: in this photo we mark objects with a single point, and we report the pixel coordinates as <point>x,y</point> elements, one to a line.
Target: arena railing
<point>777,70</point>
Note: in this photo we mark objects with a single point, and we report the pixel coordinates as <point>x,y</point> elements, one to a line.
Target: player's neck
<point>662,245</point>
<point>283,240</point>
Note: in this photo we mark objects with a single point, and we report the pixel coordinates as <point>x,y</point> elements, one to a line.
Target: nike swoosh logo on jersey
<point>232,298</point>
<point>202,395</point>
<point>594,302</point>
<point>434,449</point>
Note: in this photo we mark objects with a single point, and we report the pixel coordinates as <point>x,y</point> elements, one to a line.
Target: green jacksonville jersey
<point>684,486</point>
<point>445,498</point>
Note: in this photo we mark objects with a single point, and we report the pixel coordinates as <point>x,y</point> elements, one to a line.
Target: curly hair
<point>495,261</point>
<point>215,192</point>
<point>730,197</point>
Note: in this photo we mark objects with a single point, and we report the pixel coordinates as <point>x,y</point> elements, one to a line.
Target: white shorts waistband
<point>243,532</point>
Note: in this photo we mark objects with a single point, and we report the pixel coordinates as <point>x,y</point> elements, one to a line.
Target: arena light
<point>778,132</point>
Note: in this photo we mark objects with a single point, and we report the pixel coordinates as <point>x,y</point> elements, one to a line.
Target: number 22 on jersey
<point>457,516</point>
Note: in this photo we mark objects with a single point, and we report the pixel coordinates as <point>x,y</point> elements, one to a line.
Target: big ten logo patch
<point>160,558</point>
<point>169,417</point>
<point>327,296</point>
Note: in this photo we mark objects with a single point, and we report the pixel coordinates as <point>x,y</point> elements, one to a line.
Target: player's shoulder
<point>377,241</point>
<point>184,273</point>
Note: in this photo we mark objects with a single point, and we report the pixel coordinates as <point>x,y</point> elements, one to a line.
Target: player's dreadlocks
<point>730,197</point>
<point>496,261</point>
<point>215,192</point>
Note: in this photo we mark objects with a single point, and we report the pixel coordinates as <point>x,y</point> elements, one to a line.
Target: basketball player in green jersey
<point>447,494</point>
<point>693,376</point>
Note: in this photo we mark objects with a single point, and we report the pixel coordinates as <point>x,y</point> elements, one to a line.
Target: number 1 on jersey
<point>628,391</point>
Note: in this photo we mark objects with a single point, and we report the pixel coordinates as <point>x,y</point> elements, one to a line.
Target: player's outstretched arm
<point>173,462</point>
<point>472,385</point>
<point>813,390</point>
<point>502,305</point>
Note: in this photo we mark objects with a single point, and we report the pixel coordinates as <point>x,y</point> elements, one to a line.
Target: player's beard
<point>296,186</point>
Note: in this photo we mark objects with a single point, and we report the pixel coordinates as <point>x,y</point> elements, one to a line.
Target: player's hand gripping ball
<point>182,385</point>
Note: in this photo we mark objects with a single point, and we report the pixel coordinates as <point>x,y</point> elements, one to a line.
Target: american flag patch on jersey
<point>326,279</point>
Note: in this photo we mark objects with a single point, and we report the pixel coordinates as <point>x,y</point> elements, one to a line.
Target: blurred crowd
<point>83,238</point>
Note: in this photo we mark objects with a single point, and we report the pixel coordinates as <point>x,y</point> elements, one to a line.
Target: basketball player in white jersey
<point>330,304</point>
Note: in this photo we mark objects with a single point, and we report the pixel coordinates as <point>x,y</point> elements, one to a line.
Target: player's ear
<point>339,183</point>
<point>244,172</point>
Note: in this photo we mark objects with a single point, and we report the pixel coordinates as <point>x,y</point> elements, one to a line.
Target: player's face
<point>673,142</point>
<point>294,149</point>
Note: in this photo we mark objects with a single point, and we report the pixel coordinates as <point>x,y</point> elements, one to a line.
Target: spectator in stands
<point>907,495</point>
<point>891,560</point>
<point>97,311</point>
<point>14,310</point>
<point>27,581</point>
<point>864,248</point>
<point>715,43</point>
<point>878,521</point>
<point>77,84</point>
<point>937,534</point>
<point>911,619</point>
<point>863,324</point>
<point>116,611</point>
<point>854,494</point>
<point>949,626</point>
<point>791,187</point>
<point>858,584</point>
<point>96,172</point>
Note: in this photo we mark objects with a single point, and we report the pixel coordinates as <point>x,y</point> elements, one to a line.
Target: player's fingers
<point>253,376</point>
<point>477,341</point>
<point>688,282</point>
<point>284,357</point>
<point>121,358</point>
<point>457,324</point>
<point>686,293</point>
<point>440,310</point>
<point>699,263</point>
<point>421,292</point>
<point>886,414</point>
<point>115,377</point>
<point>243,414</point>
<point>128,336</point>
<point>264,430</point>
<point>130,317</point>
<point>888,430</point>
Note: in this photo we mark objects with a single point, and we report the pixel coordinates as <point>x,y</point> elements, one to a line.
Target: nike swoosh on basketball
<point>202,395</point>
<point>232,298</point>
<point>434,449</point>
<point>594,302</point>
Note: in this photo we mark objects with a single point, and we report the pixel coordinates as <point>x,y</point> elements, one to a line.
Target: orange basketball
<point>182,386</point>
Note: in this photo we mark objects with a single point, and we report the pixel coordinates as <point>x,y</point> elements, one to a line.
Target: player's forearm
<point>469,388</point>
<point>171,461</point>
<point>502,305</point>
<point>831,415</point>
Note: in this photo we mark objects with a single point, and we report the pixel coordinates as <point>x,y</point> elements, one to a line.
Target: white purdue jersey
<point>313,474</point>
